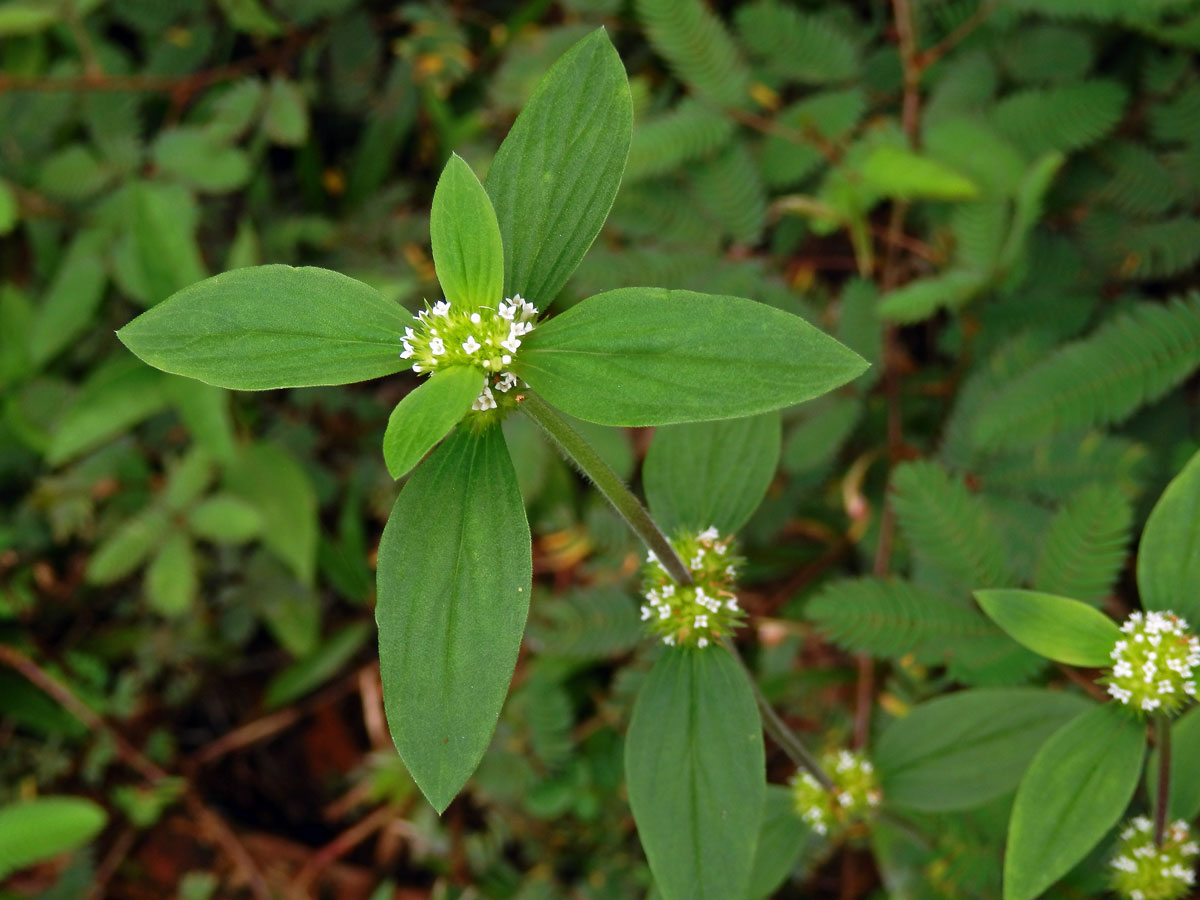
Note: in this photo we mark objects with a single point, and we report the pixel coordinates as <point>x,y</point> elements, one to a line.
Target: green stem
<point>576,449</point>
<point>581,454</point>
<point>1162,728</point>
<point>778,730</point>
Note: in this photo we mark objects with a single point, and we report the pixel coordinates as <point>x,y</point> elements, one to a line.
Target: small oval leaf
<point>1058,628</point>
<point>467,253</point>
<point>1168,566</point>
<point>426,416</point>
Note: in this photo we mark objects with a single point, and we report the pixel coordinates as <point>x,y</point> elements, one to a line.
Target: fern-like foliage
<point>1093,10</point>
<point>1084,548</point>
<point>1153,250</point>
<point>1142,185</point>
<point>796,45</point>
<point>890,617</point>
<point>728,185</point>
<point>948,529</point>
<point>828,115</point>
<point>1061,118</point>
<point>586,624</point>
<point>699,49</point>
<point>691,130</point>
<point>1132,360</point>
<point>923,297</point>
<point>1048,53</point>
<point>1068,463</point>
<point>665,210</point>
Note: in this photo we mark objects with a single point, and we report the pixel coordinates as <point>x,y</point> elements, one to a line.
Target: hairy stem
<point>576,449</point>
<point>581,454</point>
<point>1162,727</point>
<point>778,729</point>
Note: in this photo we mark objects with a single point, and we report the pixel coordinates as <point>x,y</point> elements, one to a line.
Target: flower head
<point>1154,663</point>
<point>854,797</point>
<point>1142,870</point>
<point>699,614</point>
<point>485,339</point>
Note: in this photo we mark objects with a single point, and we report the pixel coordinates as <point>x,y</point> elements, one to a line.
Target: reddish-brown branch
<point>927,58</point>
<point>342,844</point>
<point>136,760</point>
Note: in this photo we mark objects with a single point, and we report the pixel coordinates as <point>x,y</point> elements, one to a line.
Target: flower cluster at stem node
<point>699,614</point>
<point>485,339</point>
<point>1142,870</point>
<point>854,797</point>
<point>1154,663</point>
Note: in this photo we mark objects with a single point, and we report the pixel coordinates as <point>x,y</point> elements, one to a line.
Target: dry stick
<point>135,759</point>
<point>1162,727</point>
<point>342,844</point>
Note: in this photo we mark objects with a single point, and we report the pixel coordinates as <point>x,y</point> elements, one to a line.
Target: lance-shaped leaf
<point>426,416</point>
<point>1058,628</point>
<point>695,771</point>
<point>651,356</point>
<point>711,473</point>
<point>555,176</point>
<point>1077,786</point>
<point>960,751</point>
<point>467,252</point>
<point>272,327</point>
<point>1168,564</point>
<point>454,574</point>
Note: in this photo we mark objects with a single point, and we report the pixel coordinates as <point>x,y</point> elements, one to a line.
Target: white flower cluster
<point>702,612</point>
<point>856,792</point>
<point>1143,870</point>
<point>1154,663</point>
<point>485,339</point>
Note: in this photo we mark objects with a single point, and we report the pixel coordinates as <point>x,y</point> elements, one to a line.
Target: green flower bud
<point>703,612</point>
<point>855,796</point>
<point>1144,871</point>
<point>1154,663</point>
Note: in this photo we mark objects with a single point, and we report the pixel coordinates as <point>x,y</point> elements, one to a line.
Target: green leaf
<point>892,171</point>
<point>69,305</point>
<point>27,17</point>
<point>960,751</point>
<point>186,480</point>
<point>276,485</point>
<point>454,578</point>
<point>695,771</point>
<point>127,548</point>
<point>650,356</point>
<point>1168,566</point>
<point>117,396</point>
<point>171,578</point>
<point>426,416</point>
<point>225,519</point>
<point>467,253</point>
<point>165,256</point>
<point>43,828</point>
<point>921,298</point>
<point>272,326</point>
<point>199,158</point>
<point>1076,788</point>
<point>312,671</point>
<point>1058,628</point>
<point>204,409</point>
<point>711,473</point>
<point>286,116</point>
<point>10,209</point>
<point>782,842</point>
<point>555,176</point>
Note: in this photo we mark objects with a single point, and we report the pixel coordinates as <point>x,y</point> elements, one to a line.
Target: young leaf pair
<point>454,565</point>
<point>1082,779</point>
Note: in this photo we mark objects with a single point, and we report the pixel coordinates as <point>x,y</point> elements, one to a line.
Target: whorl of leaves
<point>797,45</point>
<point>1064,118</point>
<point>690,130</point>
<point>888,617</point>
<point>1132,360</point>
<point>948,528</point>
<point>697,46</point>
<point>1083,550</point>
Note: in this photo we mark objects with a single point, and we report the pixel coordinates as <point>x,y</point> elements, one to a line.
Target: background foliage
<point>994,202</point>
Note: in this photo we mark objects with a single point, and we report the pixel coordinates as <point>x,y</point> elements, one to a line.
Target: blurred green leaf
<point>225,519</point>
<point>171,578</point>
<point>312,671</point>
<point>43,828</point>
<point>286,116</point>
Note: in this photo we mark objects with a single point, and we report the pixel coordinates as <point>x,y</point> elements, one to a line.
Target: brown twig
<point>927,58</point>
<point>136,760</point>
<point>342,844</point>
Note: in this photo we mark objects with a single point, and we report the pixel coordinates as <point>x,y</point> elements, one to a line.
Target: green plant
<point>454,561</point>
